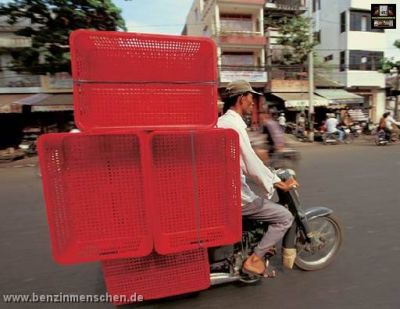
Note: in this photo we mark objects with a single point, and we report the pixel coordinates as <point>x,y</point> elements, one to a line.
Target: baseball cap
<point>239,87</point>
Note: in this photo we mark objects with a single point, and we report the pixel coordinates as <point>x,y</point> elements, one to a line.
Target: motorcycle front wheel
<point>328,233</point>
<point>348,139</point>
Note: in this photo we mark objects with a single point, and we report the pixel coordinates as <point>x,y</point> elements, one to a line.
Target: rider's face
<point>247,103</point>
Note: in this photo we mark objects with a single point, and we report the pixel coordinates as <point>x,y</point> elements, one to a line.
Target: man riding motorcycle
<point>331,127</point>
<point>238,102</point>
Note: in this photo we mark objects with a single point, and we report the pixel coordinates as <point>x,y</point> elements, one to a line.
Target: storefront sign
<point>250,76</point>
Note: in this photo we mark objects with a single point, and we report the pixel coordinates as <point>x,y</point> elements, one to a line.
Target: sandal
<point>265,274</point>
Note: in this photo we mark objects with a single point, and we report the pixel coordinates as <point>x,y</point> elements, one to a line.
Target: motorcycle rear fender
<point>316,212</point>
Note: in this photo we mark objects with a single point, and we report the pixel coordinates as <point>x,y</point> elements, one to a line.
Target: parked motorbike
<point>316,234</point>
<point>28,142</point>
<point>333,138</point>
<point>356,129</point>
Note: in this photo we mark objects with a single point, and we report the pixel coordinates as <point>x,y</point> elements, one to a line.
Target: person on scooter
<point>331,127</point>
<point>382,126</point>
<point>238,103</point>
<point>392,125</point>
<point>275,135</point>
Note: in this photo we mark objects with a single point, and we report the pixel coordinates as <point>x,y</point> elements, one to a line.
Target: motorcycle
<point>383,138</point>
<point>316,235</point>
<point>333,138</point>
<point>28,145</point>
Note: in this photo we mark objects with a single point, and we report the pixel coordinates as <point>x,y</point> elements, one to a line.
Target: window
<point>361,21</point>
<point>236,23</point>
<point>328,58</point>
<point>316,5</point>
<point>364,23</point>
<point>237,59</point>
<point>342,61</point>
<point>365,60</point>
<point>317,37</point>
<point>343,22</point>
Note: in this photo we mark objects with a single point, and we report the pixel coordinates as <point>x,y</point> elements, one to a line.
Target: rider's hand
<point>287,185</point>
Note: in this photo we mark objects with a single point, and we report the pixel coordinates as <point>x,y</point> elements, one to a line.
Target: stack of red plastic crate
<point>149,184</point>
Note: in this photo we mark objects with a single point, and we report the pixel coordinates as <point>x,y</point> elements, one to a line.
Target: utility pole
<point>397,92</point>
<point>311,76</point>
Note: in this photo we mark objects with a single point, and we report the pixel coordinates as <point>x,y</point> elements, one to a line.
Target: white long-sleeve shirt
<point>250,164</point>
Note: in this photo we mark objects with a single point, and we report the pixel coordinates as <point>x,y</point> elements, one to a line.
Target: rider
<point>391,124</point>
<point>331,126</point>
<point>275,136</point>
<point>238,102</point>
<point>382,125</point>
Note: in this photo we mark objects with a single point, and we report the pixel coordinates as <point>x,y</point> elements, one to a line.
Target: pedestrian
<point>238,103</point>
<point>282,121</point>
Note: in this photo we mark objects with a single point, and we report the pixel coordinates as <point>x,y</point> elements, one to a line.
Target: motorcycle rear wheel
<point>328,230</point>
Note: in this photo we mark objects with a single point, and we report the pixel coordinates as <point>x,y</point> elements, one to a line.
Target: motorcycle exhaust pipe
<point>221,278</point>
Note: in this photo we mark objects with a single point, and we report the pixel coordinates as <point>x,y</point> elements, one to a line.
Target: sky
<point>154,16</point>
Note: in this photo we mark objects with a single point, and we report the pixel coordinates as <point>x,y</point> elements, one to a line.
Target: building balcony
<point>15,42</point>
<point>19,81</point>
<point>372,79</point>
<point>363,40</point>
<point>288,79</point>
<point>253,74</point>
<point>286,5</point>
<point>242,2</point>
<point>241,39</point>
<point>288,72</point>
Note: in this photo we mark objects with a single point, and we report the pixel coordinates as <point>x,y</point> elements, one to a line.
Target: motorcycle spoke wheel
<point>327,230</point>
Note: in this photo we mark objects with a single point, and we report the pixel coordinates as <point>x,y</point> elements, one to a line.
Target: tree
<point>295,39</point>
<point>49,23</point>
<point>388,66</point>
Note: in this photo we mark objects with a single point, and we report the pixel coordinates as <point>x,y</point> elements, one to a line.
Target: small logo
<point>383,16</point>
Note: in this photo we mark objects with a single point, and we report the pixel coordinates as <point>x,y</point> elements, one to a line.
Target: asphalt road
<point>359,182</point>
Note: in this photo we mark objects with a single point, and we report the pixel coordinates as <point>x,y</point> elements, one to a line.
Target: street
<point>360,182</point>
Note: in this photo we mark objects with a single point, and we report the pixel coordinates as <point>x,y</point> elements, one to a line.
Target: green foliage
<point>389,63</point>
<point>295,39</point>
<point>48,23</point>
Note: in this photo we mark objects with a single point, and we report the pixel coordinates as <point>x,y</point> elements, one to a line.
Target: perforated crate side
<point>101,107</point>
<point>143,80</point>
<point>94,196</point>
<point>157,276</point>
<point>196,182</point>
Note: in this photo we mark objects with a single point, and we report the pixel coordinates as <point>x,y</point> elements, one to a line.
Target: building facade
<point>237,28</point>
<point>351,50</point>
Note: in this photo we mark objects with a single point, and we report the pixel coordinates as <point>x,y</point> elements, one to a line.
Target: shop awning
<point>9,103</point>
<point>300,100</point>
<point>340,96</point>
<point>43,102</point>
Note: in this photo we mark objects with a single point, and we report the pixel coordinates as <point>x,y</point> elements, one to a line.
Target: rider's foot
<point>254,265</point>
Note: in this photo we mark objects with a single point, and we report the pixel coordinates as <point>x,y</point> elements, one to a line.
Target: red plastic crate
<point>157,276</point>
<point>131,80</point>
<point>195,179</point>
<point>94,193</point>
